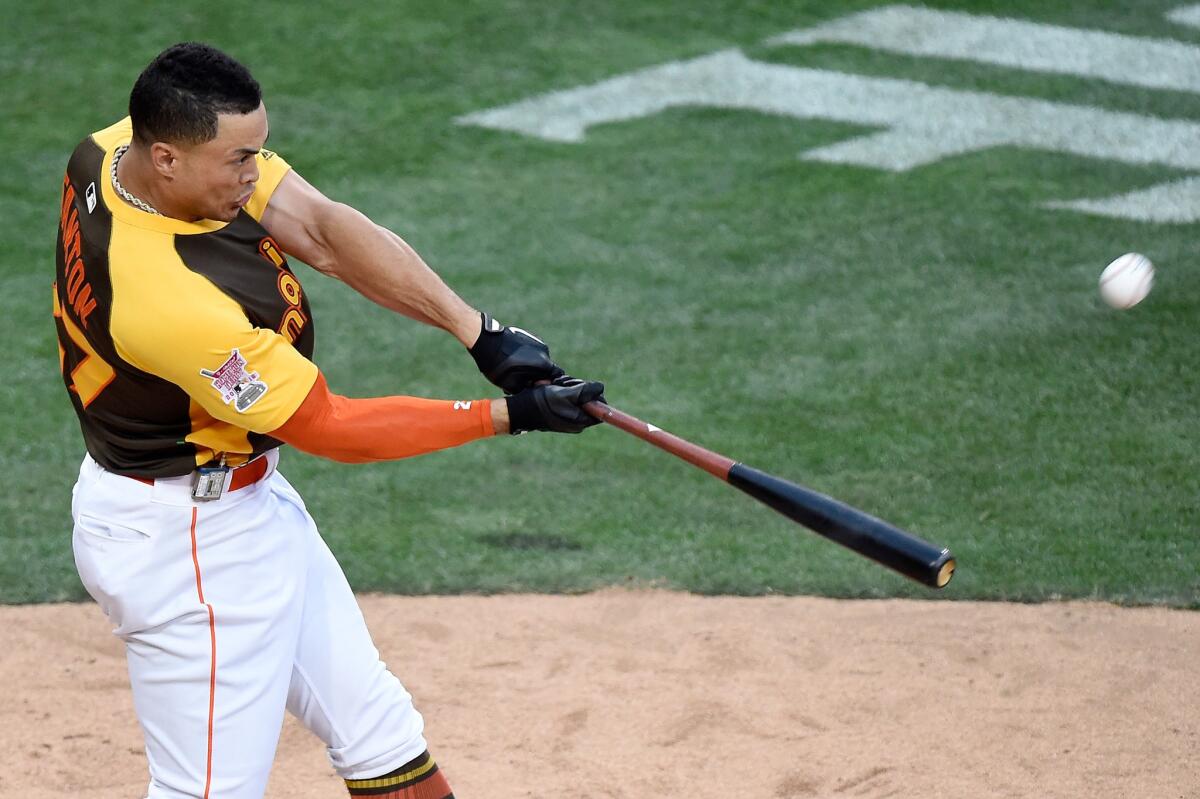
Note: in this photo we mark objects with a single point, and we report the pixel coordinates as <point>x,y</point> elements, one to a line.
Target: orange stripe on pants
<point>212,668</point>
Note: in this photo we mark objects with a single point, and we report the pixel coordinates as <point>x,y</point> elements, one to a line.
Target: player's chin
<point>227,213</point>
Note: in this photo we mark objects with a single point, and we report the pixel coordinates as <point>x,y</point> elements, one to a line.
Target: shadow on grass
<point>546,542</point>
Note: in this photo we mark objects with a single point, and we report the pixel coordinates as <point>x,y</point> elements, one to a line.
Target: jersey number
<point>91,374</point>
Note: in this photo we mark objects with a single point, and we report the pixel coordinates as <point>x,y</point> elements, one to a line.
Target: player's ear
<point>165,158</point>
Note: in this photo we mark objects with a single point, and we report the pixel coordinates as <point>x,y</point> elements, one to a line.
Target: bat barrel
<point>876,539</point>
<point>850,527</point>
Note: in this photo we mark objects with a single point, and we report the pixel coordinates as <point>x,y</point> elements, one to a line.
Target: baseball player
<point>185,344</point>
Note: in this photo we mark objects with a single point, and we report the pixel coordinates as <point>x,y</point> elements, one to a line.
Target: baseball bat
<point>878,540</point>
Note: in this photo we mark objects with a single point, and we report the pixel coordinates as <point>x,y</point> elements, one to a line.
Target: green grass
<point>927,345</point>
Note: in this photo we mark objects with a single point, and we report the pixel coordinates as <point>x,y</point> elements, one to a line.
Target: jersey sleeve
<point>382,428</point>
<point>249,377</point>
<point>271,169</point>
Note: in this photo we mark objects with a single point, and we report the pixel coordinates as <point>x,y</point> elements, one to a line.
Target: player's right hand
<point>512,358</point>
<point>554,406</point>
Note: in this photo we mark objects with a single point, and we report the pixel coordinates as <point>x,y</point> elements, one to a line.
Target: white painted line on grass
<point>1115,57</point>
<point>1185,15</point>
<point>916,124</point>
<point>1175,202</point>
<point>924,123</point>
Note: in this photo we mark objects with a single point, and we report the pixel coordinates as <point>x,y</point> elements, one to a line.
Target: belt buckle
<point>210,482</point>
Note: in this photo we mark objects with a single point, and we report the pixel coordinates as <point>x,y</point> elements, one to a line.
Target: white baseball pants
<point>231,611</point>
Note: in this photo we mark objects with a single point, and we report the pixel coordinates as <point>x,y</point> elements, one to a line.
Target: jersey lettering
<point>292,324</point>
<point>289,288</point>
<point>270,250</point>
<point>91,374</point>
<point>79,291</point>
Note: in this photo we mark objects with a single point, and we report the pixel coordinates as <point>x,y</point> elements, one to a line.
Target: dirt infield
<point>648,693</point>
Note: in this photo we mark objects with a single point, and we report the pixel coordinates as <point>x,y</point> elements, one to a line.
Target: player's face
<point>213,180</point>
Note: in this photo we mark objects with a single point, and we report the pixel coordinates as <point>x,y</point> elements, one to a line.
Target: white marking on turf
<point>1115,57</point>
<point>920,124</point>
<point>924,123</point>
<point>1185,15</point>
<point>1175,202</point>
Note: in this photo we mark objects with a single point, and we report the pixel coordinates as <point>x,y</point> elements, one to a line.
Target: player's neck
<point>136,174</point>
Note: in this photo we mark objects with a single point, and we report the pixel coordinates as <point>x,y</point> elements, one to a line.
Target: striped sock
<point>417,779</point>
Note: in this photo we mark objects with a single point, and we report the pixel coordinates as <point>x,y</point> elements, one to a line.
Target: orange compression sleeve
<point>382,428</point>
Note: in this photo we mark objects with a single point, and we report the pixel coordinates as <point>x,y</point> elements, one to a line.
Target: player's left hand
<point>556,406</point>
<point>512,358</point>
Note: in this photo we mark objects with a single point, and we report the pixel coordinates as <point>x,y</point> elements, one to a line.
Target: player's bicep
<point>293,218</point>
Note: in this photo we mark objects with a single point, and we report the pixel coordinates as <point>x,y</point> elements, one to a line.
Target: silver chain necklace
<point>121,190</point>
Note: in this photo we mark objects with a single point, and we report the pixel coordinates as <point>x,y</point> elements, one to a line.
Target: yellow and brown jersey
<point>178,341</point>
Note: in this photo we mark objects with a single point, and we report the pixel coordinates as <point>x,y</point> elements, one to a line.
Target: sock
<point>419,778</point>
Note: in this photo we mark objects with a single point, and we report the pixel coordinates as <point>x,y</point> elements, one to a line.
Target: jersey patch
<point>236,384</point>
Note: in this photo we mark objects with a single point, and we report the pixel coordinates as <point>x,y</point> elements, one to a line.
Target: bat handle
<point>715,464</point>
<point>597,410</point>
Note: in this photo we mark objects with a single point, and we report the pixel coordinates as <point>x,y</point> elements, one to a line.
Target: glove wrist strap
<point>523,413</point>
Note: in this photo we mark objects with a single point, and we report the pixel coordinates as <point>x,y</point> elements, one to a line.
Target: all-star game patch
<point>236,384</point>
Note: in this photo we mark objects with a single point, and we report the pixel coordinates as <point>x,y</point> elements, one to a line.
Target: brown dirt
<point>655,694</point>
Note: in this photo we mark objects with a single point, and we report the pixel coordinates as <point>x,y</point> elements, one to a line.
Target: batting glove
<point>512,358</point>
<point>554,407</point>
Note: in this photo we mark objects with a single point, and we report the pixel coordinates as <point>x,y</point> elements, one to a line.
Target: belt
<point>240,477</point>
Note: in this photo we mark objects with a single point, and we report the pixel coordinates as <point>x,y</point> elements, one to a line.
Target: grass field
<point>925,344</point>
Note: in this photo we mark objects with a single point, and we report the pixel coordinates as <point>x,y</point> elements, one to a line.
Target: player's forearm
<point>383,267</point>
<point>386,428</point>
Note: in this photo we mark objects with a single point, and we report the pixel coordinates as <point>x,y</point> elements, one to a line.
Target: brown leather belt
<point>240,477</point>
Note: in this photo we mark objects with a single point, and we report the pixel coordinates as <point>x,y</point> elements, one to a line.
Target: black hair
<point>178,96</point>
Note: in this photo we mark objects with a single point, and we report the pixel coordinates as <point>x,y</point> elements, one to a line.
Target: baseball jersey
<point>179,342</point>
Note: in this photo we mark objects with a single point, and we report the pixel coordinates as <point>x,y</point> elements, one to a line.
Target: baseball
<point>1126,281</point>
